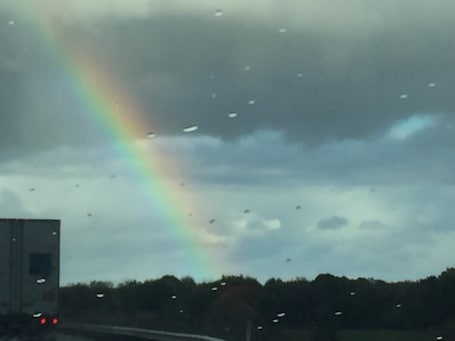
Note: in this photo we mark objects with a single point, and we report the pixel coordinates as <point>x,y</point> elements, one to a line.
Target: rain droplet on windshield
<point>259,327</point>
<point>89,214</point>
<point>190,129</point>
<point>338,313</point>
<point>300,75</point>
<point>11,22</point>
<point>404,96</point>
<point>151,135</point>
<point>246,211</point>
<point>37,315</point>
<point>181,310</point>
<point>218,13</point>
<point>352,293</point>
<point>282,30</point>
<point>432,84</point>
<point>281,314</point>
<point>247,68</point>
<point>211,221</point>
<point>213,95</point>
<point>100,295</point>
<point>214,289</point>
<point>232,115</point>
<point>41,281</point>
<point>251,102</point>
<point>439,337</point>
<point>398,306</point>
<point>275,320</point>
<point>174,297</point>
<point>298,207</point>
<point>223,284</point>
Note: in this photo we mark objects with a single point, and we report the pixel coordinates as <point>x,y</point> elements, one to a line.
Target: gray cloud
<point>12,204</point>
<point>374,225</point>
<point>352,75</point>
<point>332,223</point>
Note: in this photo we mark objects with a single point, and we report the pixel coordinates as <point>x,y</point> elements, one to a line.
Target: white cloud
<point>410,126</point>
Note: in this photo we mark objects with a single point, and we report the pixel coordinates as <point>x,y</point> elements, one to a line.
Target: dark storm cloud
<point>314,82</point>
<point>350,88</point>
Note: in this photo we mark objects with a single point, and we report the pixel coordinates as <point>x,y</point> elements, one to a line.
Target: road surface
<point>63,337</point>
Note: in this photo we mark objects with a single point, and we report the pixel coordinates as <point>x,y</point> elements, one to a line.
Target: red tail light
<point>42,321</point>
<point>54,321</point>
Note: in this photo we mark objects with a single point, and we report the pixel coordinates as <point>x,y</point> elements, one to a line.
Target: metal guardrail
<point>145,334</point>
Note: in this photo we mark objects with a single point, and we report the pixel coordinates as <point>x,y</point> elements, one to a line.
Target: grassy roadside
<point>387,335</point>
<point>362,335</point>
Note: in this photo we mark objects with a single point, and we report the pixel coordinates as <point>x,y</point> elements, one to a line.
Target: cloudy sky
<point>324,137</point>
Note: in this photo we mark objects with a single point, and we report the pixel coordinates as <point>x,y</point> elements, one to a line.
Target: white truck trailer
<point>29,278</point>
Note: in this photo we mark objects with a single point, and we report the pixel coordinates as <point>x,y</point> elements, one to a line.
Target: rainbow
<point>120,117</point>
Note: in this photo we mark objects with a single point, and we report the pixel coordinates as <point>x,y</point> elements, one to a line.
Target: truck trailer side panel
<point>29,272</point>
<point>5,267</point>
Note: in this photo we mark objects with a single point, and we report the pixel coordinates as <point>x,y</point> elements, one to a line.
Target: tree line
<point>227,307</point>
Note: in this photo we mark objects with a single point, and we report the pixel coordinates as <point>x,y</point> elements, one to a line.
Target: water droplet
<point>246,211</point>
<point>41,281</point>
<point>275,320</point>
<point>35,315</point>
<point>223,284</point>
<point>211,221</point>
<point>213,95</point>
<point>299,75</point>
<point>259,327</point>
<point>100,295</point>
<point>439,337</point>
<point>181,311</point>
<point>338,313</point>
<point>352,293</point>
<point>11,22</point>
<point>232,115</point>
<point>404,96</point>
<point>288,259</point>
<point>247,68</point>
<point>214,289</point>
<point>76,185</point>
<point>398,306</point>
<point>432,84</point>
<point>190,129</point>
<point>282,30</point>
<point>281,315</point>
<point>13,240</point>
<point>298,207</point>
<point>174,297</point>
<point>218,13</point>
<point>54,233</point>
<point>251,102</point>
<point>31,190</point>
<point>151,135</point>
<point>89,214</point>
